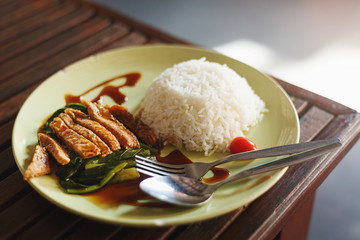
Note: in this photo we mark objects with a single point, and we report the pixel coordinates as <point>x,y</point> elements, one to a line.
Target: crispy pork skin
<point>102,115</point>
<point>105,135</point>
<point>54,148</point>
<point>73,140</point>
<point>87,133</point>
<point>39,164</point>
<point>142,130</point>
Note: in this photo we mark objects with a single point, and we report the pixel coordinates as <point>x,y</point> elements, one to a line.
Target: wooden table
<point>39,37</point>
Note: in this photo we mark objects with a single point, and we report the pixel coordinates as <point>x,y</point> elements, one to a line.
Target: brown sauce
<point>219,175</point>
<point>128,193</point>
<point>175,157</point>
<point>113,92</point>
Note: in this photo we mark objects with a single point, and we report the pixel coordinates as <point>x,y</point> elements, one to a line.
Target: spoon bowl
<point>178,190</point>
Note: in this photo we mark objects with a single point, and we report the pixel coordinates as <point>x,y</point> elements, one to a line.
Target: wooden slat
<point>7,163</point>
<point>133,39</point>
<point>345,126</point>
<point>43,33</point>
<point>155,40</point>
<point>341,125</point>
<point>56,223</point>
<point>201,230</point>
<point>312,122</point>
<point>51,47</point>
<point>20,8</point>
<point>136,25</point>
<point>300,104</point>
<point>11,187</point>
<point>314,99</point>
<point>5,3</point>
<point>10,107</point>
<point>21,213</point>
<point>44,69</point>
<point>93,230</point>
<point>37,20</point>
<point>292,230</point>
<point>147,233</point>
<point>5,132</point>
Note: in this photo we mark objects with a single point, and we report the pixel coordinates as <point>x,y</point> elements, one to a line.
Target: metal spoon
<point>186,191</point>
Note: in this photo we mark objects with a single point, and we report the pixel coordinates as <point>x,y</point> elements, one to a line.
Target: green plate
<point>279,126</point>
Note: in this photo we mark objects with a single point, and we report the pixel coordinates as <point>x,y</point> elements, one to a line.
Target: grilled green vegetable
<point>87,175</point>
<point>125,175</point>
<point>102,182</point>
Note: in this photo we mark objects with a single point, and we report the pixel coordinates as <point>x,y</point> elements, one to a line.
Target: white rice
<point>201,106</point>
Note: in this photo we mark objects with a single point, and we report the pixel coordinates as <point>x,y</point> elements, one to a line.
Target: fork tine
<point>158,169</point>
<point>152,174</point>
<point>153,168</point>
<point>170,166</point>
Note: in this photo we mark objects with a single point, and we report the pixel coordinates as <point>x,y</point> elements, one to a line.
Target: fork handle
<point>281,163</point>
<point>276,151</point>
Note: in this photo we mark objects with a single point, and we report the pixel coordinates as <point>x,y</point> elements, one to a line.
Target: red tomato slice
<point>241,144</point>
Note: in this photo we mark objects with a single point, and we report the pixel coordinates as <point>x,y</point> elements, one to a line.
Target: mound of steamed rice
<point>201,106</point>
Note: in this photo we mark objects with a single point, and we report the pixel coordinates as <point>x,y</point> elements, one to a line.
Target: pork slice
<point>143,131</point>
<point>87,133</point>
<point>73,140</point>
<point>39,164</point>
<point>102,115</point>
<point>104,134</point>
<point>54,148</point>
<point>74,113</point>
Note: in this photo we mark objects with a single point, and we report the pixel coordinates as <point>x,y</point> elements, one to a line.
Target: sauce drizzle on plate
<point>112,91</point>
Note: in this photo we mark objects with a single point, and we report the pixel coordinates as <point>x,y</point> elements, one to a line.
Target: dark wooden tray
<point>39,37</point>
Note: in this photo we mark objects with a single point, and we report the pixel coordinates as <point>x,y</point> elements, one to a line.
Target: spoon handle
<point>276,151</point>
<point>280,163</point>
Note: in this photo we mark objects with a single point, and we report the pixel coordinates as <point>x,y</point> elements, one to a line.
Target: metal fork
<point>197,170</point>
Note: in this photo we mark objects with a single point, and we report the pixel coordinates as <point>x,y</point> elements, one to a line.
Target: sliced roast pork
<point>87,133</point>
<point>84,120</point>
<point>102,115</point>
<point>54,148</point>
<point>73,140</point>
<point>142,130</point>
<point>39,164</point>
